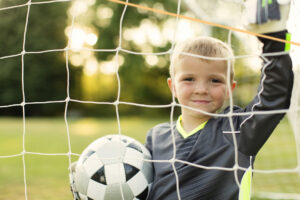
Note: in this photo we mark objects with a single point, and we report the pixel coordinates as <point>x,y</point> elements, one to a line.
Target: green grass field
<point>47,175</point>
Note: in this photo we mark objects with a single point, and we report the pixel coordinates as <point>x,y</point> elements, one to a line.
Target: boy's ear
<point>171,87</point>
<point>233,85</point>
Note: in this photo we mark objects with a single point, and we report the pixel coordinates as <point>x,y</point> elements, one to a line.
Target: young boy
<point>208,141</point>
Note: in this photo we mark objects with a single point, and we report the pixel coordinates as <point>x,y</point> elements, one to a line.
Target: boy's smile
<point>200,84</point>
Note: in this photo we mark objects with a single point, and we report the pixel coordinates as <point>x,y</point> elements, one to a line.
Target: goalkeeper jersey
<point>212,148</point>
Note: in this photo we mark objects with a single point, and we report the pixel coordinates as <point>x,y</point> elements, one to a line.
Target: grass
<point>278,153</point>
<point>47,175</point>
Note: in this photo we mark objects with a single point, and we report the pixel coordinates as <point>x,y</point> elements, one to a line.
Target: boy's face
<point>200,84</point>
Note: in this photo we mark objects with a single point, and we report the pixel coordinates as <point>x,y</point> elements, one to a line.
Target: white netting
<point>294,27</point>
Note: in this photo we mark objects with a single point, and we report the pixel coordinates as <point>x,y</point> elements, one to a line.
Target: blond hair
<point>203,46</point>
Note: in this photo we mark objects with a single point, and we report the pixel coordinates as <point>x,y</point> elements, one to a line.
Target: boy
<point>209,141</point>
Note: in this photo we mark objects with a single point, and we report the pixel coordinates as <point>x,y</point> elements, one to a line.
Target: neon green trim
<point>245,188</point>
<point>183,133</point>
<point>263,2</point>
<point>287,45</point>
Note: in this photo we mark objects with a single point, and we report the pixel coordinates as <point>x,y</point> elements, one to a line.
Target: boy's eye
<point>188,79</point>
<point>215,80</point>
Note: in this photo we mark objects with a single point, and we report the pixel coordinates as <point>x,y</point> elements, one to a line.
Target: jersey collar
<point>185,134</point>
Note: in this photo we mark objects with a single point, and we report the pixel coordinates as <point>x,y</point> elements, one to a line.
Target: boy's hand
<point>265,16</point>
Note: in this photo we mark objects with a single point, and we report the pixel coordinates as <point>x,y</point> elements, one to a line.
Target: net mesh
<point>76,9</point>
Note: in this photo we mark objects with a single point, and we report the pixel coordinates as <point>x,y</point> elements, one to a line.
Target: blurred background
<point>89,72</point>
<point>93,73</point>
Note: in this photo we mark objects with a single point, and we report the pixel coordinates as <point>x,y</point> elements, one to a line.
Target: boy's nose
<point>201,88</point>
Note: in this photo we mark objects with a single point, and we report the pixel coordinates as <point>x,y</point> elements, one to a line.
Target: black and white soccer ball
<point>112,168</point>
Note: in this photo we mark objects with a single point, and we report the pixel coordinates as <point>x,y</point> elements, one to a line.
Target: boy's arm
<point>273,94</point>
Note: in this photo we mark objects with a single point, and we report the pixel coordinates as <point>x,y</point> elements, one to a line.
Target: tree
<point>45,74</point>
<point>142,77</point>
<point>97,25</point>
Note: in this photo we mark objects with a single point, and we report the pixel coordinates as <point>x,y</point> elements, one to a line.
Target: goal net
<point>100,39</point>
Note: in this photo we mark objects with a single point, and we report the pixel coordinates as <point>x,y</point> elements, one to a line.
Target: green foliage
<point>139,82</point>
<point>45,74</point>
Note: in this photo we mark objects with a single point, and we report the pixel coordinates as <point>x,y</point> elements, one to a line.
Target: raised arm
<point>274,93</point>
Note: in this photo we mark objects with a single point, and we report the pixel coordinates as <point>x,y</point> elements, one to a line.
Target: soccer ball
<point>112,168</point>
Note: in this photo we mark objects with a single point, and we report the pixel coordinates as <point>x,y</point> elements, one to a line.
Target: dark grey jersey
<point>213,146</point>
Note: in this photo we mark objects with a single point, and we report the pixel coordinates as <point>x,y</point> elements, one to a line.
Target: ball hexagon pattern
<point>113,167</point>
